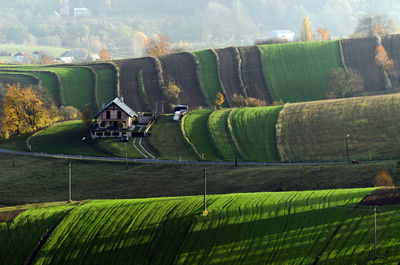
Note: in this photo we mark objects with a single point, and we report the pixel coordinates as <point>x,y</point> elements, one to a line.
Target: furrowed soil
<point>382,196</point>
<point>253,74</point>
<point>129,83</point>
<point>181,68</point>
<point>359,55</point>
<point>228,67</point>
<point>316,131</point>
<point>392,44</point>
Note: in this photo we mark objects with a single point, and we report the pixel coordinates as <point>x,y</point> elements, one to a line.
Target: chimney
<point>122,99</point>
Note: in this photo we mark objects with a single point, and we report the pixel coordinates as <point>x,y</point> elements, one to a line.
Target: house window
<point>119,115</point>
<point>108,115</point>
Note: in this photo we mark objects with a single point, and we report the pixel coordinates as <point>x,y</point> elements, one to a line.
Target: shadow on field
<point>222,237</point>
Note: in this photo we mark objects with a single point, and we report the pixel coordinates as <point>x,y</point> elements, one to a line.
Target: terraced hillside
<point>317,130</point>
<point>391,44</point>
<point>296,71</point>
<point>214,136</point>
<point>73,85</point>
<point>208,75</point>
<point>229,65</point>
<point>359,55</point>
<point>253,75</point>
<point>130,87</point>
<point>308,227</point>
<point>290,72</point>
<point>254,131</point>
<point>181,68</point>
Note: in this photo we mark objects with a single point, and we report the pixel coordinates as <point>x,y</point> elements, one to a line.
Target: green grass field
<point>35,179</point>
<point>78,85</point>
<point>208,75</point>
<point>19,238</point>
<point>24,79</point>
<point>106,90</point>
<point>65,138</point>
<point>167,141</point>
<point>47,79</point>
<point>296,71</point>
<point>195,128</point>
<point>316,131</point>
<point>221,137</point>
<point>306,227</point>
<point>254,131</point>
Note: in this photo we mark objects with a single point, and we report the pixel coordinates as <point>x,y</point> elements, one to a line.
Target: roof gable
<point>125,108</point>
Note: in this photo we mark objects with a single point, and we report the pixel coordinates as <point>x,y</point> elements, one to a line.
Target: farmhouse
<point>114,120</point>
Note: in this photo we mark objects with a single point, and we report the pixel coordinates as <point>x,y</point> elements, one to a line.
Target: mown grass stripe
<point>296,71</point>
<point>254,130</point>
<point>208,75</point>
<point>195,129</point>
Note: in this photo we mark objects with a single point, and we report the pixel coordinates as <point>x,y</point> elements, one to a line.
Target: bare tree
<point>371,25</point>
<point>158,45</point>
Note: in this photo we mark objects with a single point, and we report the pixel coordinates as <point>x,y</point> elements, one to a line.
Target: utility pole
<point>13,152</point>
<point>70,180</point>
<point>126,157</point>
<point>205,189</point>
<point>347,148</point>
<point>235,151</point>
<point>375,233</point>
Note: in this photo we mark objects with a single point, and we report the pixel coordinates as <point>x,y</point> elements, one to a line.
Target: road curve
<point>147,160</point>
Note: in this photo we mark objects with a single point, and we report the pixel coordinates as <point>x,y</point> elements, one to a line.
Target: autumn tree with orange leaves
<point>324,33</point>
<point>158,45</point>
<point>382,59</point>
<point>104,55</point>
<point>23,111</point>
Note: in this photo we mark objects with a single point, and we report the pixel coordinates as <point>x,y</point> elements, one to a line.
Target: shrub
<point>171,91</point>
<point>255,102</point>
<point>340,84</point>
<point>68,113</point>
<point>240,101</point>
<point>383,178</point>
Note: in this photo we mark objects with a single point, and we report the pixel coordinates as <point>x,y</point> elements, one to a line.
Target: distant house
<point>75,56</point>
<point>114,120</point>
<point>22,58</point>
<point>281,34</point>
<point>81,11</point>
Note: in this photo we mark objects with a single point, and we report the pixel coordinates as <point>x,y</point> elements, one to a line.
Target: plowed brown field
<point>229,71</point>
<point>382,196</point>
<point>359,55</point>
<point>392,46</point>
<point>181,68</point>
<point>129,84</point>
<point>253,74</point>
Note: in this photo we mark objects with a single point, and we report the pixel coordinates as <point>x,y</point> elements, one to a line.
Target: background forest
<point>121,25</point>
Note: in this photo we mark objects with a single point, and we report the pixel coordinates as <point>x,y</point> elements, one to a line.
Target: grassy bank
<point>35,180</point>
<point>316,131</point>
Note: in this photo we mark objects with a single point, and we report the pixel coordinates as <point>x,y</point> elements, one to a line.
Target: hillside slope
<point>255,228</point>
<point>291,72</point>
<point>316,131</point>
